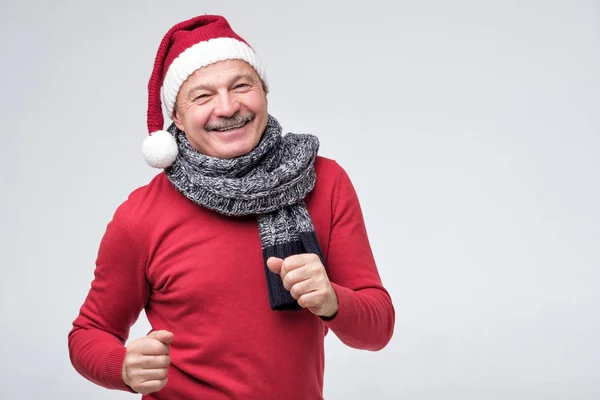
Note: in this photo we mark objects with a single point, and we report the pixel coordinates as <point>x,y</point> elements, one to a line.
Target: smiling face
<point>222,108</point>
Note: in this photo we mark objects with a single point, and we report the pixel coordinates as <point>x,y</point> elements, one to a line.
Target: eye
<point>200,97</point>
<point>241,85</point>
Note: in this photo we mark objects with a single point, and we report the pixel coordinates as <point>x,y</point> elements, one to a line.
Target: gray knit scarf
<point>270,182</point>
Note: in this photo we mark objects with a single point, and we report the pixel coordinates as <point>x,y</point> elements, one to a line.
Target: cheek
<point>256,101</point>
<point>197,117</point>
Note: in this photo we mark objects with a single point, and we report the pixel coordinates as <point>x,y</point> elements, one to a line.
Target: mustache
<point>230,122</point>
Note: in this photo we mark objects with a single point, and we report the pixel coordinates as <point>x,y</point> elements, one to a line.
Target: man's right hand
<point>147,362</point>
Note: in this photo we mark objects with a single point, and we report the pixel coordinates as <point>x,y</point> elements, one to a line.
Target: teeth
<point>230,128</point>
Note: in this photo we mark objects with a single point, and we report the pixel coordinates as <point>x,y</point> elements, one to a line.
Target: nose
<point>227,105</point>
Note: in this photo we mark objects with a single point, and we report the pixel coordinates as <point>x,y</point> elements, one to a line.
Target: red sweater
<point>200,275</point>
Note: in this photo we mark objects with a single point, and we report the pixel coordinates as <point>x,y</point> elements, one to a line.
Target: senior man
<point>244,250</point>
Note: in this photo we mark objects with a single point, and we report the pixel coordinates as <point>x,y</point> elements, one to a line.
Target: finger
<point>297,261</point>
<point>301,288</point>
<point>156,374</point>
<point>139,375</point>
<point>313,271</point>
<point>152,362</point>
<point>163,336</point>
<point>151,386</point>
<point>311,300</point>
<point>296,276</point>
<point>274,264</point>
<point>151,347</point>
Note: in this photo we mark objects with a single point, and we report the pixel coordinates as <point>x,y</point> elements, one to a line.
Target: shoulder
<point>327,168</point>
<point>144,199</point>
<point>330,172</point>
<point>331,176</point>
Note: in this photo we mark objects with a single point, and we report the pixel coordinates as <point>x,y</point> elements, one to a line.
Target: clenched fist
<point>147,362</point>
<point>305,277</point>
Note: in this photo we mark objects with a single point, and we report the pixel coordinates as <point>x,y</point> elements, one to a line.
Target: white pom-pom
<point>160,149</point>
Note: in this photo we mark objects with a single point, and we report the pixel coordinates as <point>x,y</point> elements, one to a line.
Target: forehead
<point>220,72</point>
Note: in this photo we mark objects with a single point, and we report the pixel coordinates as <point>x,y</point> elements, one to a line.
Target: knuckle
<point>133,346</point>
<point>295,292</point>
<point>302,301</point>
<point>138,387</point>
<point>131,360</point>
<point>284,265</point>
<point>163,374</point>
<point>135,375</point>
<point>156,346</point>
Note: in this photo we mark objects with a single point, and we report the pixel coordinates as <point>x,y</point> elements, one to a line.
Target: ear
<point>177,120</point>
<point>266,92</point>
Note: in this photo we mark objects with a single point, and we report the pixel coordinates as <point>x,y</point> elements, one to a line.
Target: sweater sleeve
<point>366,316</point>
<point>118,293</point>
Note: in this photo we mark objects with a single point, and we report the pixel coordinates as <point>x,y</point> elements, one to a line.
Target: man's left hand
<point>305,277</point>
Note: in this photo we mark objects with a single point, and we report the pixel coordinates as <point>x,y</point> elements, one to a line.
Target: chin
<point>234,150</point>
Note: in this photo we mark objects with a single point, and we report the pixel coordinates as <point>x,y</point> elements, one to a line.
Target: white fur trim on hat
<point>160,149</point>
<point>200,55</point>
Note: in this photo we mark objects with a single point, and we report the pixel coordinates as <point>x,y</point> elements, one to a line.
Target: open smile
<point>232,128</point>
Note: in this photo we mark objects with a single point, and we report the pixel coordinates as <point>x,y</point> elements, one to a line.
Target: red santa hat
<point>186,47</point>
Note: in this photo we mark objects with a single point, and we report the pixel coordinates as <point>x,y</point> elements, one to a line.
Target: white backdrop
<point>471,130</point>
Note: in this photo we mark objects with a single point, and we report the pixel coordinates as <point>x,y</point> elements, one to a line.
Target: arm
<point>366,316</point>
<point>118,293</point>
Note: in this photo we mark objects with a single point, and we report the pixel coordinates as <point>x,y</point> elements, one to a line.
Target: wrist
<point>125,378</point>
<point>332,310</point>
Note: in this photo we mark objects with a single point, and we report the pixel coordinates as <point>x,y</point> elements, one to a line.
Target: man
<point>244,252</point>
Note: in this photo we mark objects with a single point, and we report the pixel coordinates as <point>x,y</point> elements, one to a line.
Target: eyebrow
<point>208,86</point>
